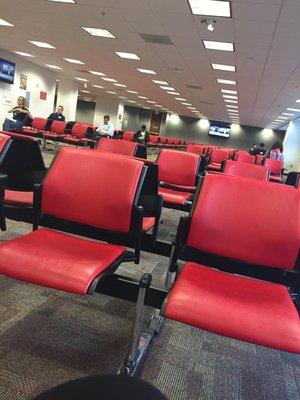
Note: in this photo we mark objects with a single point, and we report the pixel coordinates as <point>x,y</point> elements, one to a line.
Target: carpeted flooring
<point>48,337</point>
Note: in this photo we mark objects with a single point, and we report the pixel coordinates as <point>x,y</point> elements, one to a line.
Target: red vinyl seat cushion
<point>3,140</point>
<point>238,307</point>
<point>148,223</point>
<point>123,147</point>
<point>18,198</point>
<point>174,196</point>
<point>57,260</point>
<point>214,167</point>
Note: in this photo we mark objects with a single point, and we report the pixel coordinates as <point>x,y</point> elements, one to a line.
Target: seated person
<point>254,150</point>
<point>261,149</point>
<point>276,151</point>
<point>141,136</point>
<point>106,129</point>
<point>20,115</point>
<point>58,115</point>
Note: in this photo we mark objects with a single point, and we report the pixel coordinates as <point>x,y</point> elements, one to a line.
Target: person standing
<point>20,114</point>
<point>58,115</point>
<point>106,129</point>
<point>141,136</point>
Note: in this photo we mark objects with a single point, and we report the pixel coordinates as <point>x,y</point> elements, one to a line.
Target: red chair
<point>38,127</point>
<point>163,140</point>
<point>153,140</point>
<point>3,140</point>
<point>247,170</point>
<point>178,174</point>
<point>128,135</point>
<point>234,228</point>
<point>218,157</point>
<point>243,156</point>
<point>276,167</point>
<point>77,135</point>
<point>196,149</point>
<point>57,131</point>
<point>259,159</point>
<point>117,146</point>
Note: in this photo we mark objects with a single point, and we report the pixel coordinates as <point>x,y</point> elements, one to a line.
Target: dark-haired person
<point>254,150</point>
<point>58,115</point>
<point>141,136</point>
<point>276,152</point>
<point>261,149</point>
<point>106,129</point>
<point>20,114</point>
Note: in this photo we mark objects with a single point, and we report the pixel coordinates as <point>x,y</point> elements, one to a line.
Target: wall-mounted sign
<point>23,81</point>
<point>43,95</point>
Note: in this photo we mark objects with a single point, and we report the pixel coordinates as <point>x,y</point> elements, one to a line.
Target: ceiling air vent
<point>157,39</point>
<point>194,87</point>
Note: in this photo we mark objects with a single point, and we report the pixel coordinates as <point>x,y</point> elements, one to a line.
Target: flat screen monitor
<point>222,131</point>
<point>7,71</point>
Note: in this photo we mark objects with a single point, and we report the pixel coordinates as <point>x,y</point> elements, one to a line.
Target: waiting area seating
<point>217,159</point>
<point>244,156</point>
<point>124,147</point>
<point>247,170</point>
<point>276,168</point>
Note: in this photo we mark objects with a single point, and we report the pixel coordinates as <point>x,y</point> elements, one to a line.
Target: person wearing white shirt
<point>107,128</point>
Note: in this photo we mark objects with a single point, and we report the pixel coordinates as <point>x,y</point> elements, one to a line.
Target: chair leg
<point>139,341</point>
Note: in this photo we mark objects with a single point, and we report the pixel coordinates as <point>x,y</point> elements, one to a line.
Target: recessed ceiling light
<point>191,108</point>
<point>146,71</point>
<point>226,81</point>
<point>85,91</point>
<point>97,73</point>
<point>119,85</point>
<point>228,96</point>
<point>166,88</point>
<point>131,91</point>
<point>231,101</point>
<point>82,79</point>
<point>223,67</point>
<point>233,112</point>
<point>130,56</point>
<point>211,45</point>
<point>282,117</point>
<point>175,93</point>
<point>229,91</point>
<point>293,109</point>
<point>288,114</point>
<point>186,104</point>
<point>98,86</point>
<point>149,101</point>
<point>64,1</point>
<point>99,32</point>
<point>131,101</point>
<point>109,79</point>
<point>160,82</point>
<point>42,44</point>
<point>180,98</point>
<point>143,97</point>
<point>73,61</point>
<point>230,106</point>
<point>5,23</point>
<point>122,97</point>
<point>213,8</point>
<point>21,53</point>
<point>297,101</point>
<point>108,91</point>
<point>52,66</point>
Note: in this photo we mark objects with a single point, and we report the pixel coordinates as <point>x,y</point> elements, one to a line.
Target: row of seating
<point>230,236</point>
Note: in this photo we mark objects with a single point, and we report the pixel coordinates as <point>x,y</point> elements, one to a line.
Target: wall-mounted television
<point>7,71</point>
<point>221,131</point>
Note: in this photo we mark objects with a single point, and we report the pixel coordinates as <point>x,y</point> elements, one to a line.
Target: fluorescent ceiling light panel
<point>146,71</point>
<point>166,88</point>
<point>122,97</point>
<point>131,91</point>
<point>226,81</point>
<point>119,85</point>
<point>21,53</point>
<point>5,23</point>
<point>297,101</point>
<point>73,61</point>
<point>186,104</point>
<point>82,79</point>
<point>52,66</point>
<point>231,101</point>
<point>64,1</point>
<point>228,96</point>
<point>109,79</point>
<point>282,117</point>
<point>175,93</point>
<point>223,67</point>
<point>160,82</point>
<point>212,8</point>
<point>85,91</point>
<point>108,91</point>
<point>230,106</point>
<point>228,91</point>
<point>99,32</point>
<point>293,109</point>
<point>288,114</point>
<point>129,56</point>
<point>224,46</point>
<point>131,101</point>
<point>143,97</point>
<point>98,86</point>
<point>97,73</point>
<point>180,98</point>
<point>152,102</point>
<point>42,44</point>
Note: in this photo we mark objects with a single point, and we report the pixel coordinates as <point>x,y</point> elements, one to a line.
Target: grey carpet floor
<point>48,337</point>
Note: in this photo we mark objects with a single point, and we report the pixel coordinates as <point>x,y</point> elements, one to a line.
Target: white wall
<point>109,106</point>
<point>291,146</point>
<point>67,96</point>
<point>38,79</point>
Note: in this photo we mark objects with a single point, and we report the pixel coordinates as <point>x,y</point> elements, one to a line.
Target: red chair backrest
<point>195,148</point>
<point>243,156</point>
<point>79,130</point>
<point>247,170</point>
<point>248,220</point>
<point>117,146</point>
<point>58,127</point>
<point>153,139</point>
<point>3,140</point>
<point>178,167</point>
<point>163,139</point>
<point>259,159</point>
<point>275,166</point>
<point>39,123</point>
<point>92,188</point>
<point>128,135</point>
<point>219,155</point>
<point>176,141</point>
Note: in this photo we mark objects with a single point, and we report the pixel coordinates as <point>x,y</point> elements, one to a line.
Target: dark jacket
<point>56,117</point>
<point>137,137</point>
